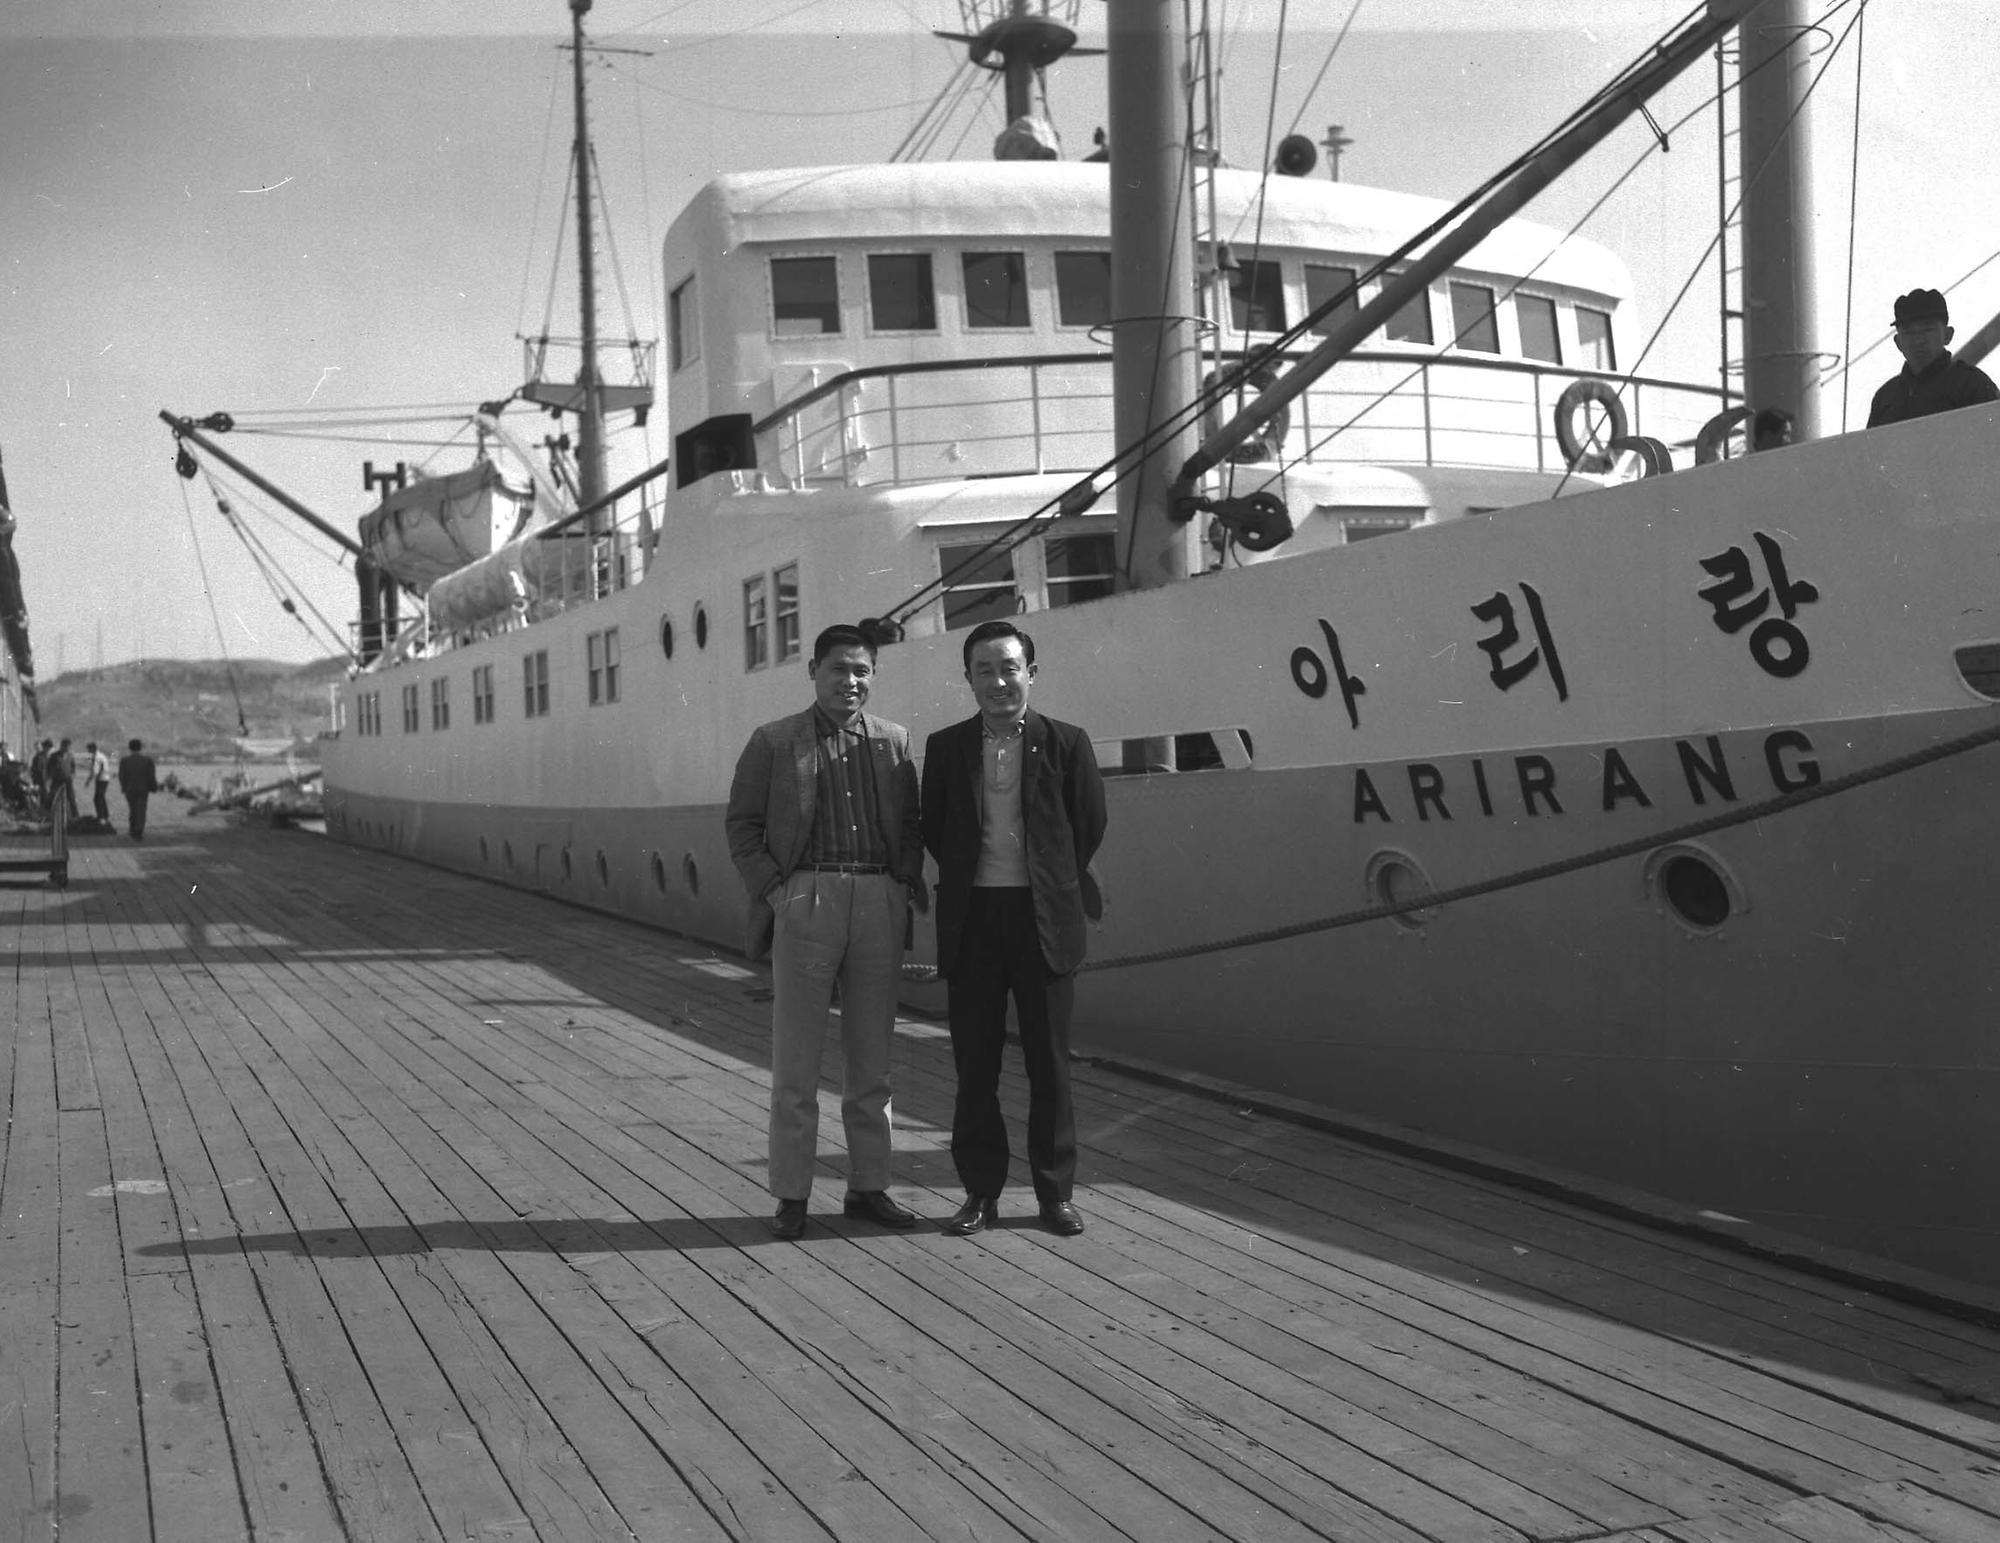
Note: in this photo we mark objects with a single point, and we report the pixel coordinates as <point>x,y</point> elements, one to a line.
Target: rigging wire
<point>535,219</point>
<point>611,246</point>
<point>207,589</point>
<point>1853,217</point>
<point>275,579</point>
<point>1326,64</point>
<point>954,87</point>
<point>978,112</point>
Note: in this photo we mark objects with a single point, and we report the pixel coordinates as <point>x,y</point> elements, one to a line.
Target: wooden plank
<point>190,1468</point>
<point>278,1480</point>
<point>1927,1515</point>
<point>27,1410</point>
<point>100,1469</point>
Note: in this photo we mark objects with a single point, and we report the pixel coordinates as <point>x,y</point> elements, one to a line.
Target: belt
<point>845,867</point>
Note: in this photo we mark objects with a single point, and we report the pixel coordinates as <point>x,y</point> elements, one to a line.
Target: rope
<point>1853,213</point>
<point>1779,804</point>
<point>208,590</point>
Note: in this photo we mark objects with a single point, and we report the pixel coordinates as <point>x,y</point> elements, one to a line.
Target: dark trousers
<point>135,808</point>
<point>98,790</point>
<point>999,954</point>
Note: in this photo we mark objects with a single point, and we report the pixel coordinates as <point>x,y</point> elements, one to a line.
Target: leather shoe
<point>1062,1218</point>
<point>876,1205</point>
<point>790,1222</point>
<point>978,1213</point>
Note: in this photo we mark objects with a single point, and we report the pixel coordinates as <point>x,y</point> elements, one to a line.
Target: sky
<point>343,204</point>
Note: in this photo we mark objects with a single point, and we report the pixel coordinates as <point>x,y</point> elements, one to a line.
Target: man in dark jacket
<point>138,780</point>
<point>1013,811</point>
<point>1931,381</point>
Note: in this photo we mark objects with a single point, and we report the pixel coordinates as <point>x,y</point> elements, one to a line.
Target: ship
<point>1495,752</point>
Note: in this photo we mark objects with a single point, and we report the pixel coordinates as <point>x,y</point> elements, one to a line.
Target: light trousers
<point>845,927</point>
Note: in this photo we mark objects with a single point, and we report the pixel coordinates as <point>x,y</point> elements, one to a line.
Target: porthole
<point>603,868</point>
<point>701,626</point>
<point>1695,887</point>
<point>507,855</point>
<point>667,636</point>
<point>567,873</point>
<point>1395,878</point>
<point>659,873</point>
<point>690,874</point>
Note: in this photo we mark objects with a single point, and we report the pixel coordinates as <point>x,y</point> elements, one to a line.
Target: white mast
<point>1156,339</point>
<point>1781,363</point>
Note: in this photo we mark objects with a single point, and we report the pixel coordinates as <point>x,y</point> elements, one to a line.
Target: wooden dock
<point>345,1199</point>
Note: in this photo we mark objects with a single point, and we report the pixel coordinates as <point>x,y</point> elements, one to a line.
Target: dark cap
<point>1921,305</point>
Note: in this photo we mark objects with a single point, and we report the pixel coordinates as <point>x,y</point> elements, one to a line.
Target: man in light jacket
<point>822,826</point>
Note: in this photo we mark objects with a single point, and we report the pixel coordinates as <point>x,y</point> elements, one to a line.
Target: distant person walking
<point>1931,380</point>
<point>138,780</point>
<point>100,782</point>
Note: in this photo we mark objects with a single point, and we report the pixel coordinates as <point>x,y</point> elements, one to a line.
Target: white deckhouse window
<point>996,289</point>
<point>900,293</point>
<point>1083,288</point>
<point>805,297</point>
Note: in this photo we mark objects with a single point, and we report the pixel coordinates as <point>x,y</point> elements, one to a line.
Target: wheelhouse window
<point>982,590</point>
<point>441,703</point>
<point>900,296</point>
<point>1083,288</point>
<point>1412,324</point>
<point>805,297</point>
<point>601,666</point>
<point>1593,339</point>
<point>683,329</point>
<point>1473,324</point>
<point>1325,282</point>
<point>482,694</point>
<point>535,683</point>
<point>1079,568</point>
<point>1256,297</point>
<point>996,289</point>
<point>756,624</point>
<point>368,713</point>
<point>1537,316</point>
<point>412,715</point>
<point>785,632</point>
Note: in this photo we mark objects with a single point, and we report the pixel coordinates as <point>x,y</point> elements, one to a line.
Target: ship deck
<point>344,1198</point>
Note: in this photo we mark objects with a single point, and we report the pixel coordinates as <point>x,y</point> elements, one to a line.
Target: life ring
<point>1576,435</point>
<point>1715,433</point>
<point>1268,442</point>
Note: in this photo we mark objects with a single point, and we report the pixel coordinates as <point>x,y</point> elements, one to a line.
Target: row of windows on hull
<point>997,294</point>
<point>602,671</point>
<point>980,584</point>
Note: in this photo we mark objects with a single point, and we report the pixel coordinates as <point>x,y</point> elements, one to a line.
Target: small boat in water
<point>1476,769</point>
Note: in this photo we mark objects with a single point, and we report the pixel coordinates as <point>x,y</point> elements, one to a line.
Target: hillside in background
<point>185,709</point>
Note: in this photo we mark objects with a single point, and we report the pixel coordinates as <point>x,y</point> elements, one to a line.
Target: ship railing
<point>946,419</point>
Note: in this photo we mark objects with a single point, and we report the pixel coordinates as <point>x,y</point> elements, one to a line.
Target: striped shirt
<point>846,825</point>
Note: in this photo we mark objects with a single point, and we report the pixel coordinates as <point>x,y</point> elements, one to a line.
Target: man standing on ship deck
<point>823,827</point>
<point>1931,380</point>
<point>1013,813</point>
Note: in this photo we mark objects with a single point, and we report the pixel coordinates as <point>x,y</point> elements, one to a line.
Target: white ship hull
<point>1822,1057</point>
